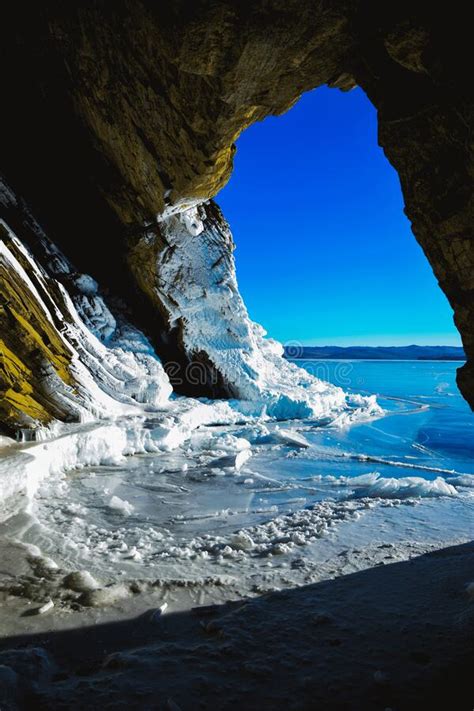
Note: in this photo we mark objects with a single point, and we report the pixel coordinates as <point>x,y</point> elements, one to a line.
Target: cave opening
<point>325,254</point>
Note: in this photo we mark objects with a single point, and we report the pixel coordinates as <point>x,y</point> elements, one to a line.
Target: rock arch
<point>120,121</point>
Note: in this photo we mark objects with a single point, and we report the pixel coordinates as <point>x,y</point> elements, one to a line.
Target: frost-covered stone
<point>80,581</point>
<point>105,596</point>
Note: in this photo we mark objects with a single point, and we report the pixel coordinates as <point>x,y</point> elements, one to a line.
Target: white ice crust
<point>373,485</point>
<point>66,447</point>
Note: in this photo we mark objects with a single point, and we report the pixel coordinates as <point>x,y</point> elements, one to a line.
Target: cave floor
<point>396,636</point>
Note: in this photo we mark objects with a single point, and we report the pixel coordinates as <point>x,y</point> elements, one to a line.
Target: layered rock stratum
<point>119,122</point>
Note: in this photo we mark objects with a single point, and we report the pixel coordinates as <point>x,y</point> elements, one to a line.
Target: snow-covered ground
<point>203,499</point>
<point>122,402</point>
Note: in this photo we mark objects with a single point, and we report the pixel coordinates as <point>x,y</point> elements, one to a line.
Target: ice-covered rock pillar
<point>217,349</point>
<point>185,269</point>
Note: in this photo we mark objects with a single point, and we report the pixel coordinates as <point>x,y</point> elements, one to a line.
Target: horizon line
<point>293,344</point>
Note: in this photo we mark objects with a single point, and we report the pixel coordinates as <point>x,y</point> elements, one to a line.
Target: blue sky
<point>325,254</point>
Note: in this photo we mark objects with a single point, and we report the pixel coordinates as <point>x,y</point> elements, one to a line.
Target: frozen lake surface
<point>263,505</point>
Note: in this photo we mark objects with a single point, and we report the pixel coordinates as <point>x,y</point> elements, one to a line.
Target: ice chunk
<point>242,457</point>
<point>105,596</point>
<point>168,438</point>
<point>374,485</point>
<point>292,437</point>
<point>242,541</point>
<point>466,480</point>
<point>45,608</point>
<point>80,581</point>
<point>121,505</point>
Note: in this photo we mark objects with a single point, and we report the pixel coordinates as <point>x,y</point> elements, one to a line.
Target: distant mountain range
<point>376,352</point>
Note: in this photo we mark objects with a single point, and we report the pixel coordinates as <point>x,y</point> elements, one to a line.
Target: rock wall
<point>415,69</point>
<point>54,364</point>
<point>121,118</point>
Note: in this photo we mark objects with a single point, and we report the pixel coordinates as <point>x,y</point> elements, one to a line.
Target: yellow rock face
<point>31,347</point>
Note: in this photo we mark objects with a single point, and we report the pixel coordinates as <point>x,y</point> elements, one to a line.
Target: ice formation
<point>115,365</point>
<point>123,376</point>
<point>197,281</point>
<point>121,505</point>
<point>464,480</point>
<point>118,378</point>
<point>22,468</point>
<point>375,486</point>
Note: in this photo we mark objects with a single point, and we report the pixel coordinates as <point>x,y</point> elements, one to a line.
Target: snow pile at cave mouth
<point>197,282</point>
